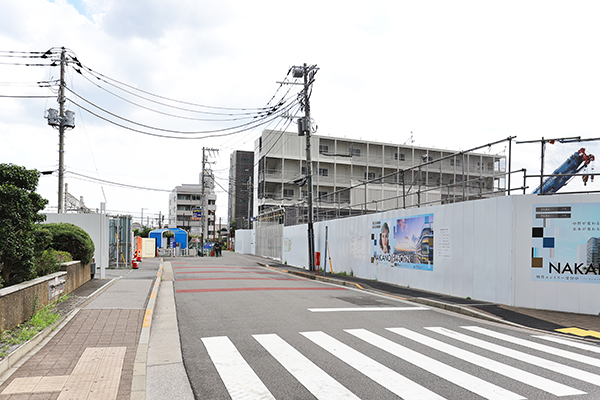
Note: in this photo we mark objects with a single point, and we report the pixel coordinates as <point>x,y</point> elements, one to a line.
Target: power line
<point>122,185</point>
<point>29,64</point>
<point>242,128</point>
<point>234,117</point>
<point>106,78</point>
<point>25,96</point>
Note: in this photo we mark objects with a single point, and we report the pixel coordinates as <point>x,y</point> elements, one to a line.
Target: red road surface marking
<point>255,289</point>
<point>218,266</point>
<point>226,272</point>
<point>245,279</point>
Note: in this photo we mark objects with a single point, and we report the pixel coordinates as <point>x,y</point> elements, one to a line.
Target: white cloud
<point>457,74</point>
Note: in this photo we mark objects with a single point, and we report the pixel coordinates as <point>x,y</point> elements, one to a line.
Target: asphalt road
<point>249,332</point>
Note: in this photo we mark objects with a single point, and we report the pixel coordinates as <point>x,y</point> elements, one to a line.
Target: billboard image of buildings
<point>566,243</point>
<point>403,242</point>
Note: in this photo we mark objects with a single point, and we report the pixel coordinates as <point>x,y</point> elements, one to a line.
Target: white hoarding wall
<point>555,272</point>
<point>96,225</point>
<point>244,241</point>
<point>529,251</point>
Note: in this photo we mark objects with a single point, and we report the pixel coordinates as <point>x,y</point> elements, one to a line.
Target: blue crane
<point>575,163</point>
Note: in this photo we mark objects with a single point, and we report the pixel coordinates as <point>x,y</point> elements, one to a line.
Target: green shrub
<point>49,261</point>
<point>72,239</point>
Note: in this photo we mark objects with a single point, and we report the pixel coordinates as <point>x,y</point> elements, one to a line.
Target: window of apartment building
<point>288,192</point>
<point>354,152</point>
<point>400,156</point>
<point>322,195</point>
<point>211,202</point>
<point>369,175</point>
<point>303,170</point>
<point>323,149</point>
<point>455,162</point>
<point>323,172</point>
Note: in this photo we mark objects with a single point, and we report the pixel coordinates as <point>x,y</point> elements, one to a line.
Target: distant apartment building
<point>352,177</point>
<point>188,211</point>
<point>241,181</point>
<point>593,252</point>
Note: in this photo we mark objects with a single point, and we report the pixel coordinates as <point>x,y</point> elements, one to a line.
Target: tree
<point>143,232</point>
<point>19,211</point>
<point>72,239</point>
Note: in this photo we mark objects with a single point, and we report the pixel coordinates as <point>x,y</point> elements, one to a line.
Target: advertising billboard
<point>565,243</point>
<point>403,242</point>
<point>196,214</point>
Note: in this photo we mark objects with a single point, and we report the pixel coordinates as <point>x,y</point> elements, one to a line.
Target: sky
<point>447,74</point>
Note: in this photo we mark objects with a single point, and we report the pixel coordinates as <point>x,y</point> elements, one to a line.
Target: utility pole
<point>250,194</point>
<point>203,194</point>
<point>61,119</point>
<point>305,128</point>
<point>61,131</point>
<point>202,182</point>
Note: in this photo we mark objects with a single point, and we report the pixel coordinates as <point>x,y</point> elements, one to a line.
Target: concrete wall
<point>77,274</point>
<point>19,302</point>
<point>482,249</point>
<point>96,225</point>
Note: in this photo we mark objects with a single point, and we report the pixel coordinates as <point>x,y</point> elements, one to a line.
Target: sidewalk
<point>92,353</point>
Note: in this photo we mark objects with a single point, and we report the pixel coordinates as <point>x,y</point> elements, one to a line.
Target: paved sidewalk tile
<point>92,357</point>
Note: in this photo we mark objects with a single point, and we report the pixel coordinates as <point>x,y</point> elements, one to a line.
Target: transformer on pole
<point>305,129</point>
<point>61,119</point>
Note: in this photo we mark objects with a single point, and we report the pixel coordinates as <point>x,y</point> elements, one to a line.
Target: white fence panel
<point>482,249</point>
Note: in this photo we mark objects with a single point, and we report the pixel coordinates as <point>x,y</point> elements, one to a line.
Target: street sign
<point>196,214</point>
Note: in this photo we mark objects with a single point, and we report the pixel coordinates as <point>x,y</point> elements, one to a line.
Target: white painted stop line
<point>352,309</point>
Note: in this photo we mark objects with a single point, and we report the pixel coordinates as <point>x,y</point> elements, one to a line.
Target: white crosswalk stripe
<point>520,375</point>
<point>469,382</point>
<point>381,374</point>
<point>241,382</point>
<point>536,346</point>
<point>521,356</point>
<point>321,385</point>
<point>578,345</point>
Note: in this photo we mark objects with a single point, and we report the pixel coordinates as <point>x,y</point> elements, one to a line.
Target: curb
<point>14,360</point>
<point>138,384</point>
